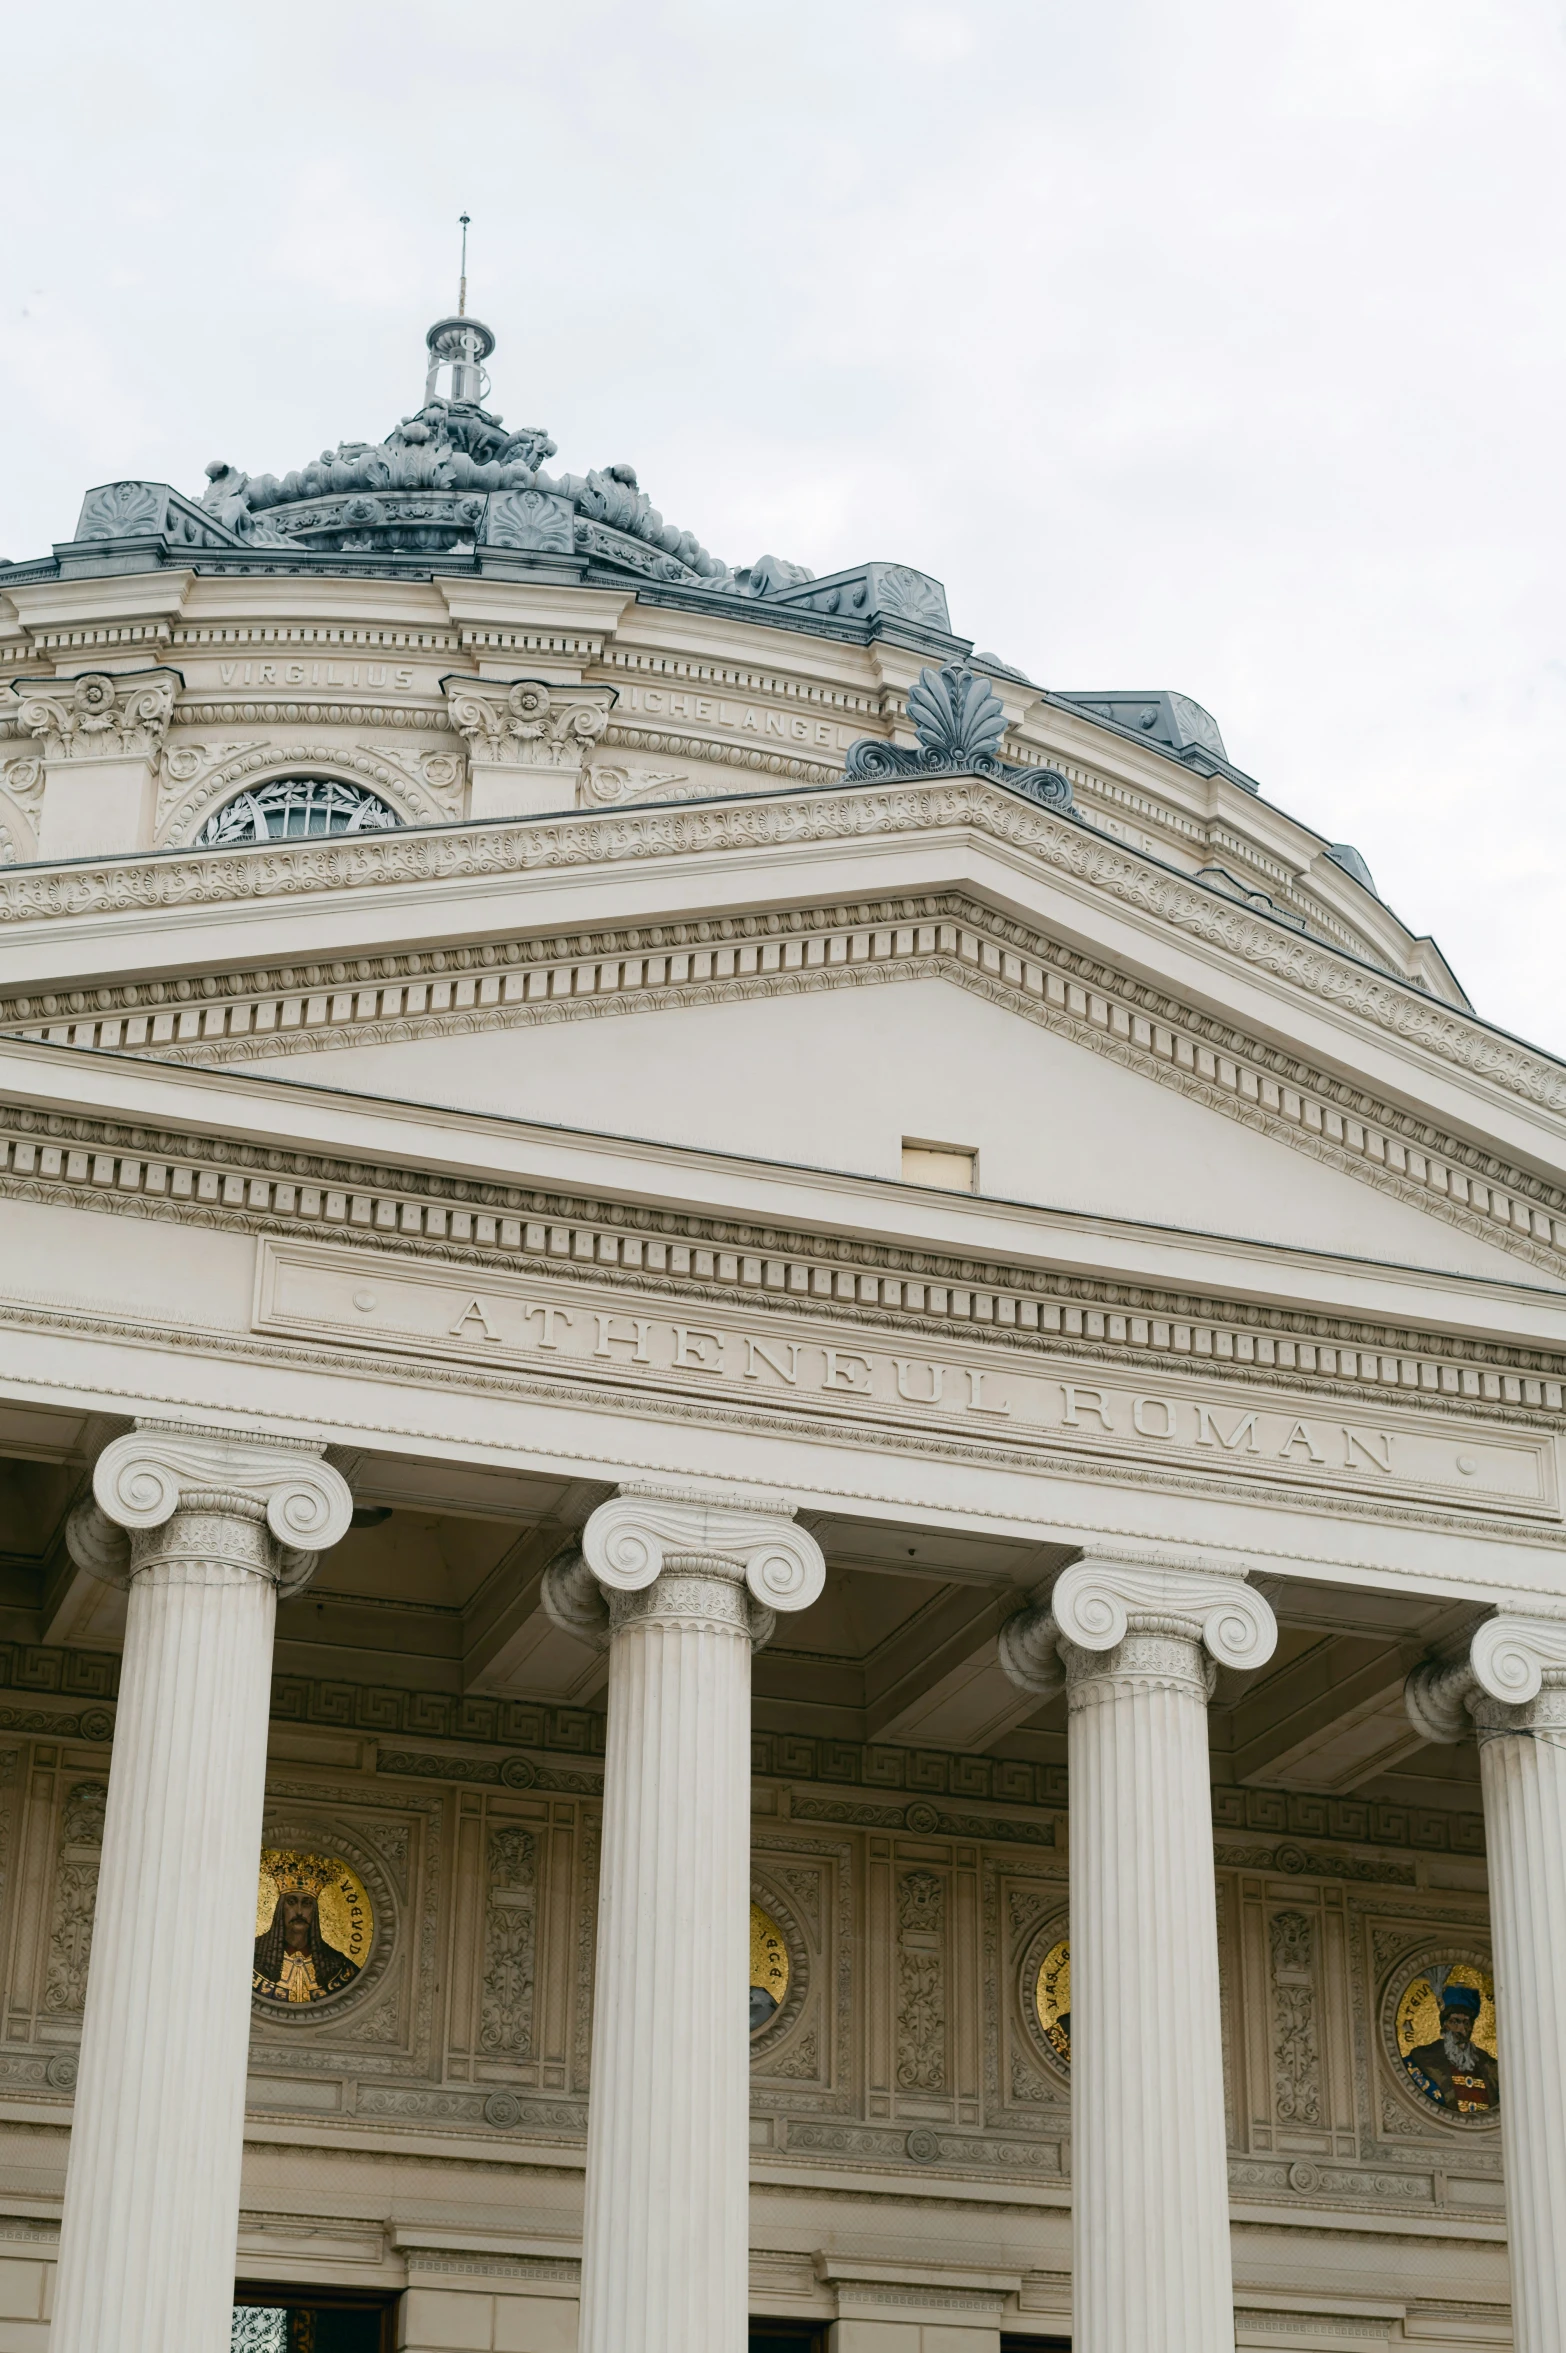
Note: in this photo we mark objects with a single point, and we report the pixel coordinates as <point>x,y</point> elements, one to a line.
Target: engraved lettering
<point>266,674</point>
<point>1367,1447</point>
<point>654,699</point>
<point>774,724</point>
<point>294,674</point>
<point>1092,1401</point>
<point>1300,1436</point>
<point>840,1370</point>
<point>905,1365</point>
<point>689,1342</point>
<point>1139,1406</point>
<point>976,1401</point>
<point>375,675</point>
<point>635,1339</point>
<point>757,1353</point>
<point>228,671</point>
<point>751,721</point>
<point>404,679</point>
<point>472,1313</point>
<point>549,1318</point>
<point>1209,1434</point>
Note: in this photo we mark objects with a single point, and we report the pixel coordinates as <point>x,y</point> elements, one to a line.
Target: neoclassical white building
<point>686,1271</point>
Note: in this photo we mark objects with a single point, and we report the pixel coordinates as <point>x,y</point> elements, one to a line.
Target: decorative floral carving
<point>510,1929</point>
<point>921,1982</point>
<point>527,724</point>
<point>75,1896</point>
<point>99,716</point>
<point>1295,2050</point>
<point>23,780</point>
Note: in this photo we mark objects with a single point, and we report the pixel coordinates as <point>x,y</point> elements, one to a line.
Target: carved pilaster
<point>1137,1644</point>
<point>527,740</point>
<point>205,1527</point>
<point>101,736</point>
<point>690,1580</point>
<point>1510,1692</point>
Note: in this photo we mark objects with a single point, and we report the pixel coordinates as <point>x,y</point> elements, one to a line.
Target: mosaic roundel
<point>1443,2027</point>
<point>769,1969</point>
<point>315,1926</point>
<point>1052,1999</point>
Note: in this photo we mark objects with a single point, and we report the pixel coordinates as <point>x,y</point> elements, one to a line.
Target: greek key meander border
<point>1112,1010</point>
<point>183,1177</point>
<point>799,820</point>
<point>861,1772</point>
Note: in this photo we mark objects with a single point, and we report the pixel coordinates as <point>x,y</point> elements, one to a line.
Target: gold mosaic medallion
<point>769,1969</point>
<point>1052,1999</point>
<point>314,1927</point>
<point>1444,2026</point>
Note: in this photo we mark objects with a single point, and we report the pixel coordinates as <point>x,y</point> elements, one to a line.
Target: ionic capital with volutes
<point>170,1491</point>
<point>1150,1615</point>
<point>687,1553</point>
<point>1511,1678</point>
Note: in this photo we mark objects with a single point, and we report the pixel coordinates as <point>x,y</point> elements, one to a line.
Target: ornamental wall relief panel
<point>75,1895</point>
<point>802,1901</point>
<point>510,1941</point>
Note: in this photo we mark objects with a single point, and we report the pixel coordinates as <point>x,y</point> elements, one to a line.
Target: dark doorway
<point>273,2319</point>
<point>1014,2344</point>
<point>787,2336</point>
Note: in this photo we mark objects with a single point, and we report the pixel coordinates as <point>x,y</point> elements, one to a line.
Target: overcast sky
<point>1210,344</point>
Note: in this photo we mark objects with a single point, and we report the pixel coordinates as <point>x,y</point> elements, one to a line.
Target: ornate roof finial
<point>461,344</point>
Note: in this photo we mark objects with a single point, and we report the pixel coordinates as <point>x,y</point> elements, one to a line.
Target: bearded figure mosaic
<point>314,1927</point>
<point>1445,2028</point>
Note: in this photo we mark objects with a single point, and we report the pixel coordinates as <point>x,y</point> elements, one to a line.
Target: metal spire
<point>462,290</point>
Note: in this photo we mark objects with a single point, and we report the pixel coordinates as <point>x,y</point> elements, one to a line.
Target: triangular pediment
<point>839,1078</point>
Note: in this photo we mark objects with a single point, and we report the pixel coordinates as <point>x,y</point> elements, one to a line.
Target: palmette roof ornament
<point>960,723</point>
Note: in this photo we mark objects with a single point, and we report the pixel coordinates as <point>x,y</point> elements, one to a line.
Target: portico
<point>922,1327</point>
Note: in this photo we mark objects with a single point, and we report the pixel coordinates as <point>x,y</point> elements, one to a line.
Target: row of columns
<point>207,1529</point>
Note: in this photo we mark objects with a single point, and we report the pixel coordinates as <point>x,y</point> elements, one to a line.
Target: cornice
<point>284,1011</point>
<point>118,1168</point>
<point>1135,880</point>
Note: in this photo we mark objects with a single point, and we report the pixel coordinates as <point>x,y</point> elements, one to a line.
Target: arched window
<point>291,808</point>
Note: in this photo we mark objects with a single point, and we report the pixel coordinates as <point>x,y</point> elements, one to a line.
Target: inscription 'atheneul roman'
<point>689,1348</point>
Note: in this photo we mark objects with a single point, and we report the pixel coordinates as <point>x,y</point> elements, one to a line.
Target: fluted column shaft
<point>1522,1763</point>
<point>665,2244</point>
<point>151,2216</point>
<point>1510,1689</point>
<point>1149,2162</point>
<point>1149,2158</point>
<point>692,1579</point>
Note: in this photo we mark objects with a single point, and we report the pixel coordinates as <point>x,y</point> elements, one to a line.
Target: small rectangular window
<point>953,1167</point>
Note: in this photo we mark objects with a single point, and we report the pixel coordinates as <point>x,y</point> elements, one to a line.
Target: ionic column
<point>1510,1691</point>
<point>682,1586</point>
<point>206,1528</point>
<point>1135,1645</point>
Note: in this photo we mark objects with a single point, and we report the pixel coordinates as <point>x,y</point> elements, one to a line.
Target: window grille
<point>293,808</point>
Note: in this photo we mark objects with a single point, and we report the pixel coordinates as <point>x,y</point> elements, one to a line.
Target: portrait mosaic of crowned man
<point>312,1927</point>
<point>1454,2067</point>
